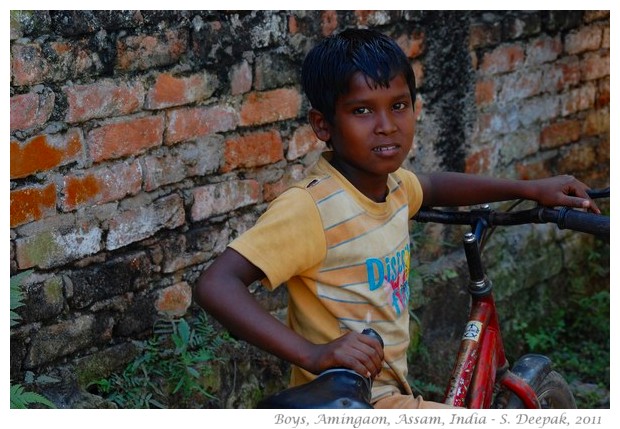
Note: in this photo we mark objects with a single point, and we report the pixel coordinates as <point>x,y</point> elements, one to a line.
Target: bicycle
<point>482,376</point>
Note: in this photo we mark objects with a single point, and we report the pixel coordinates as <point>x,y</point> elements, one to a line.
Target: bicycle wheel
<point>554,392</point>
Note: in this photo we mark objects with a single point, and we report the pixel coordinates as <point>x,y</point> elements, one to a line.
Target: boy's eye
<point>361,110</point>
<point>400,106</point>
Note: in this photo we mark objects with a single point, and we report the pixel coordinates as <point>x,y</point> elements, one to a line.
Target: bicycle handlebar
<point>564,218</point>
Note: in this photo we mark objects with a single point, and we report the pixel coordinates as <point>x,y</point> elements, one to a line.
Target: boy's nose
<point>385,123</point>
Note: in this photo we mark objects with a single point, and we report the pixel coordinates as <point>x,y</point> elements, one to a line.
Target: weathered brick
<point>55,341</point>
<point>560,133</point>
<point>502,59</point>
<point>603,94</point>
<point>240,78</point>
<point>595,66</point>
<point>372,17</point>
<point>101,185</point>
<point>121,275</point>
<point>270,106</point>
<point>143,222</point>
<point>44,300</point>
<point>53,248</point>
<point>224,197</point>
<point>577,158</point>
<point>578,99</point>
<point>543,50</point>
<point>32,203</point>
<point>516,86</point>
<point>482,34</point>
<point>583,39</point>
<point>485,92</point>
<point>174,301</point>
<point>45,152</point>
<point>32,109</point>
<point>517,145</point>
<point>522,25</point>
<point>290,176</point>
<point>479,162</point>
<point>304,140</point>
<point>412,44</point>
<point>597,122</point>
<point>170,90</point>
<point>55,61</point>
<point>536,110</point>
<point>561,75</point>
<point>252,150</point>
<point>146,51</point>
<point>185,160</point>
<point>103,99</point>
<point>329,22</point>
<point>196,122</point>
<point>125,137</point>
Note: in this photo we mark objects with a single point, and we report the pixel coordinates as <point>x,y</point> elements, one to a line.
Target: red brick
<point>270,106</point>
<point>577,158</point>
<point>584,39</point>
<point>219,198</point>
<point>148,51</point>
<point>170,90</point>
<point>31,109</point>
<point>45,152</point>
<point>126,137</point>
<point>103,99</point>
<point>560,133</point>
<point>603,95</point>
<point>418,72</point>
<point>533,170</point>
<point>252,150</point>
<point>101,185</point>
<point>293,26</point>
<point>303,142</point>
<point>329,22</point>
<point>502,59</point>
<point>485,92</point>
<point>32,203</point>
<point>195,122</point>
<point>372,17</point>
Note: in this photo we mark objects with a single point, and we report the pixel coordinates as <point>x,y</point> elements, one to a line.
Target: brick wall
<point>143,141</point>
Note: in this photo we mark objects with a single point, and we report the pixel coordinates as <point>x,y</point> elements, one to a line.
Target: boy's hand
<point>563,190</point>
<point>361,353</point>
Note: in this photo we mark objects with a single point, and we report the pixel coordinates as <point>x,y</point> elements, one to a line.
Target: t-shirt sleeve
<point>287,239</point>
<point>414,190</point>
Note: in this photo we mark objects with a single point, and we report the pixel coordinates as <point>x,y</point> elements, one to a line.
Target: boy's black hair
<point>329,66</point>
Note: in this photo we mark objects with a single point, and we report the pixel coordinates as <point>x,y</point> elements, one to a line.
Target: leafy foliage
<point>172,368</point>
<point>20,397</point>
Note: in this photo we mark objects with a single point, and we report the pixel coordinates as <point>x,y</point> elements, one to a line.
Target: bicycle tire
<point>552,392</point>
<point>555,393</point>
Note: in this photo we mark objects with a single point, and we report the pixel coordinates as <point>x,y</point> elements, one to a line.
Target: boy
<point>339,238</point>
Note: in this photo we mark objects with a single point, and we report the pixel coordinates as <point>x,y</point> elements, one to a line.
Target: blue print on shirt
<point>392,274</point>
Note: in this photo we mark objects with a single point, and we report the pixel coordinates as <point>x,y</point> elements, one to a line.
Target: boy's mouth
<point>386,148</point>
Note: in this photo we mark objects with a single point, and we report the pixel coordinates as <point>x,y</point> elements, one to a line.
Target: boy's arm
<point>222,291</point>
<point>460,189</point>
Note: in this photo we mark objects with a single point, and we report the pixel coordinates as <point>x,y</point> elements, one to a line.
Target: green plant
<point>20,397</point>
<point>173,367</point>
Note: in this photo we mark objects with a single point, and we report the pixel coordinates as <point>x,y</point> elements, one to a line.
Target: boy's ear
<point>319,124</point>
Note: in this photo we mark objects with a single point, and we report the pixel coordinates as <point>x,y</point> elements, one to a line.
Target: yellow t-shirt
<point>345,261</point>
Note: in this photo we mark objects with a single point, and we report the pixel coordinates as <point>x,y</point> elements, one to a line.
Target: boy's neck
<point>373,187</point>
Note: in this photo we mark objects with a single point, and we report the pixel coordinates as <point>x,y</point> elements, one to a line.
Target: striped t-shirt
<point>345,261</point>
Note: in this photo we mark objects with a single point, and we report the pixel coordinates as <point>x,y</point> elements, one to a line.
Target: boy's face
<point>373,128</point>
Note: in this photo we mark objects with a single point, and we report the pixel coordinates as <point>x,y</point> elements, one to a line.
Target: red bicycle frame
<point>481,362</point>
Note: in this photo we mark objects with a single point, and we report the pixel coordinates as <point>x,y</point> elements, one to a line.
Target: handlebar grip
<point>372,333</point>
<point>474,262</point>
<point>578,221</point>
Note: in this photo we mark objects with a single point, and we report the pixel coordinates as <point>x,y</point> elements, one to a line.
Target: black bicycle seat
<point>334,388</point>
